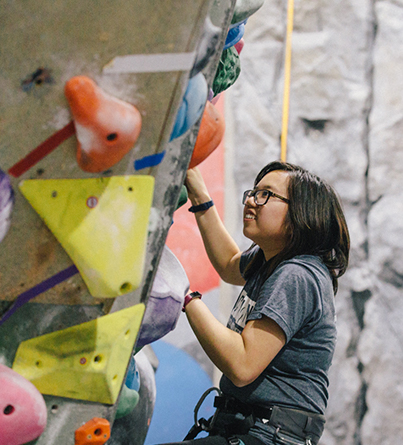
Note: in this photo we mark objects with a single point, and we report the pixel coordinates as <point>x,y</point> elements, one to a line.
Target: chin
<point>247,235</point>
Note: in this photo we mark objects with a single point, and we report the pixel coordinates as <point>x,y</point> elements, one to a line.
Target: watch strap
<point>189,298</point>
<point>201,207</point>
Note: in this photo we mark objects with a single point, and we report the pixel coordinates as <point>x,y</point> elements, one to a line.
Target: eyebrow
<point>265,187</point>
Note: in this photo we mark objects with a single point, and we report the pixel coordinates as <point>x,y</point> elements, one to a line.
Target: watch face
<point>195,294</point>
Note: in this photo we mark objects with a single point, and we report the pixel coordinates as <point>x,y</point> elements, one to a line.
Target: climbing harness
<point>233,417</point>
<point>202,424</point>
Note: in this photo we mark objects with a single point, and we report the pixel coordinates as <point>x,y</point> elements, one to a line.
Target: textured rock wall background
<point>346,125</point>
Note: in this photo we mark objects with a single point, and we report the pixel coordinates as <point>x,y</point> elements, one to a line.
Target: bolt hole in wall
<point>37,78</point>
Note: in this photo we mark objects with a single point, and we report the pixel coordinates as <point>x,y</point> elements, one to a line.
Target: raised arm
<point>221,249</point>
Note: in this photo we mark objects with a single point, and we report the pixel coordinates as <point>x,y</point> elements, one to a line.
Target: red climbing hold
<point>211,132</point>
<point>106,127</point>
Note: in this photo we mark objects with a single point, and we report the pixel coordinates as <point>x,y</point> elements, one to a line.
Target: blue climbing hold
<point>192,106</point>
<point>235,35</point>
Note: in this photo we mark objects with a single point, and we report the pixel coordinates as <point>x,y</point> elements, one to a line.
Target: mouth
<point>249,216</point>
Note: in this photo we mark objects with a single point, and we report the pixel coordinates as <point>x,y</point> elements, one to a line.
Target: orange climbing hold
<point>106,127</point>
<point>95,432</point>
<point>211,132</point>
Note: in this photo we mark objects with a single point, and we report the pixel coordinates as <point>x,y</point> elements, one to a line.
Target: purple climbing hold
<point>166,299</point>
<point>6,203</point>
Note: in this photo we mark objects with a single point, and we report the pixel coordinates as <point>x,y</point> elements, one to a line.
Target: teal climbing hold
<point>128,400</point>
<point>183,197</point>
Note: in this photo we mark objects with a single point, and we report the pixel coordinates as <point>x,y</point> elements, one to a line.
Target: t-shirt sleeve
<point>290,297</point>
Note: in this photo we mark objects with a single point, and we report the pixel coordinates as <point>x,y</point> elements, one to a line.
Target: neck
<point>272,248</point>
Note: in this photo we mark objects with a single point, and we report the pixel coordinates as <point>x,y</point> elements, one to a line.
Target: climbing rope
<point>287,76</point>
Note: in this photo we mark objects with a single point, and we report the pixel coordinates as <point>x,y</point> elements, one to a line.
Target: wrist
<point>201,207</point>
<point>199,198</point>
<point>189,298</point>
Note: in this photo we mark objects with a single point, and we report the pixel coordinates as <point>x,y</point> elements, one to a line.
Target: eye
<point>264,193</point>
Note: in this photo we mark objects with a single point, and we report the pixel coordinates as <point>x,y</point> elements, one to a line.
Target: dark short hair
<point>315,221</point>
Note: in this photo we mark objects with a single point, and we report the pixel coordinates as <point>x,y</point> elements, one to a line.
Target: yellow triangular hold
<point>101,223</point>
<point>87,361</point>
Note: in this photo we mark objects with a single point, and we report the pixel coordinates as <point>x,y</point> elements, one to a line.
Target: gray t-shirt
<point>299,297</point>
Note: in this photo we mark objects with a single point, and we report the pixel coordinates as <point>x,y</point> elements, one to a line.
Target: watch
<point>190,297</point>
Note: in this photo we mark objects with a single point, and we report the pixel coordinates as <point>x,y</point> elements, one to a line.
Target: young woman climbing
<point>277,347</point>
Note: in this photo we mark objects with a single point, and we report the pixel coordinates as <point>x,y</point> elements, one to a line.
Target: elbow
<point>240,383</point>
<point>242,379</point>
<point>230,278</point>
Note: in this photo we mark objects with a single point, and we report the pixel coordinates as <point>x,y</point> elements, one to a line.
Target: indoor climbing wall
<point>100,109</point>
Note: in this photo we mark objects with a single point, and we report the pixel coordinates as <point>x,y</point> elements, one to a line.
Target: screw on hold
<point>92,202</point>
<point>83,361</point>
<point>54,194</point>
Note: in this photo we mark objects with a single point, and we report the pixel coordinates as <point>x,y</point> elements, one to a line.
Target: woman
<point>278,345</point>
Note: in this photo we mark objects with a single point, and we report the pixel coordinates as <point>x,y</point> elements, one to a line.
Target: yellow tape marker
<point>102,224</point>
<point>87,361</point>
<point>287,80</point>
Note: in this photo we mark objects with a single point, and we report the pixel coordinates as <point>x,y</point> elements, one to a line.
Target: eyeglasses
<point>261,197</point>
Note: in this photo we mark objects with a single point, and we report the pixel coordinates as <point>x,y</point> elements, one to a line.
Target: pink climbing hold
<point>106,127</point>
<point>239,46</point>
<point>23,412</point>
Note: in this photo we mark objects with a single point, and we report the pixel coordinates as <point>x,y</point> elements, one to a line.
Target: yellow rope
<point>287,76</point>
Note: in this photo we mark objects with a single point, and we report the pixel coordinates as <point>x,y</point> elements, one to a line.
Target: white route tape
<point>150,63</point>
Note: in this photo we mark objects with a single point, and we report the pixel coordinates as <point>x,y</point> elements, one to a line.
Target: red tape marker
<point>42,150</point>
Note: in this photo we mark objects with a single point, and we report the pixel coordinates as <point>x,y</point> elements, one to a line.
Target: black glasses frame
<point>252,193</point>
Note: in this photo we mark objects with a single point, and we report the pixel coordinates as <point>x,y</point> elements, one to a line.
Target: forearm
<point>223,346</point>
<point>220,246</point>
<point>221,249</point>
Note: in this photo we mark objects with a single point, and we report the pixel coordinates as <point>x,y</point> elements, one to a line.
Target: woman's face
<point>265,225</point>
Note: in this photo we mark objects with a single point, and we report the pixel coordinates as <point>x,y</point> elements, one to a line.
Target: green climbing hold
<point>183,197</point>
<point>228,70</point>
<point>127,402</point>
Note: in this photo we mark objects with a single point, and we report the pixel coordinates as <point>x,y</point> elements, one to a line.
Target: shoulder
<point>306,266</point>
<point>303,279</point>
<point>296,293</point>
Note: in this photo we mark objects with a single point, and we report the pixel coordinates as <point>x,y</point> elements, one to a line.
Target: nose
<point>250,201</point>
